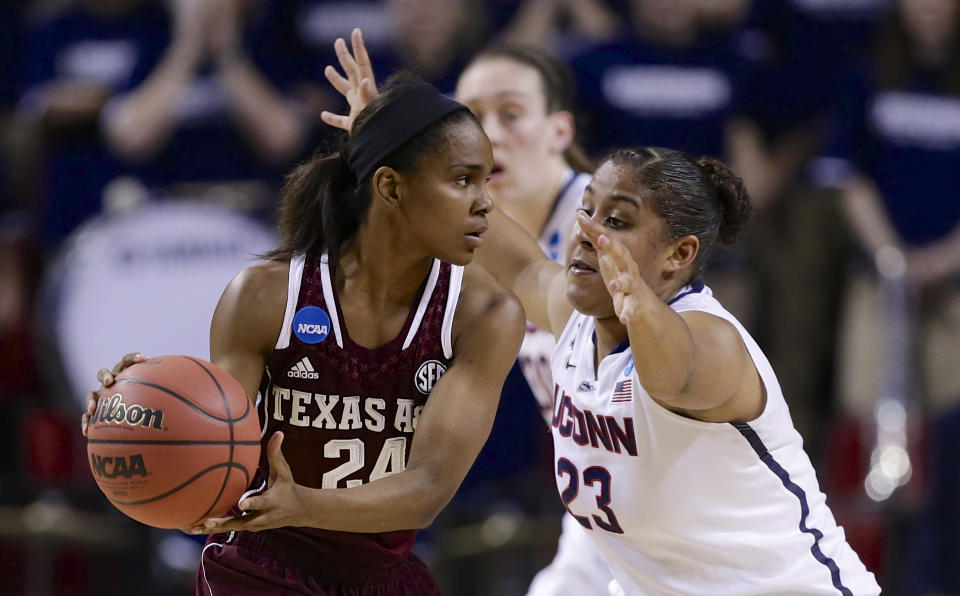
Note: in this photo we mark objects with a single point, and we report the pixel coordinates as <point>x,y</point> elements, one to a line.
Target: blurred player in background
<point>361,314</point>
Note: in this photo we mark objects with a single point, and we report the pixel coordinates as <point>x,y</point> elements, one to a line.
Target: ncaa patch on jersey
<point>311,324</point>
<point>427,375</point>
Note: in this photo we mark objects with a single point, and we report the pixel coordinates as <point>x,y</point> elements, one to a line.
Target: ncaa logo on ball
<point>311,324</point>
<point>428,374</point>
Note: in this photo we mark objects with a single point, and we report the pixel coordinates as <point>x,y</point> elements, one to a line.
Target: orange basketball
<point>174,441</point>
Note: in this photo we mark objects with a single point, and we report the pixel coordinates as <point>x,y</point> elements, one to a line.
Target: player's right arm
<point>513,257</point>
<point>245,328</point>
<point>247,322</point>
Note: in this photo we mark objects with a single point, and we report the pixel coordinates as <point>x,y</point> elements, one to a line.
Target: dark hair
<point>556,81</point>
<point>322,203</point>
<point>699,197</point>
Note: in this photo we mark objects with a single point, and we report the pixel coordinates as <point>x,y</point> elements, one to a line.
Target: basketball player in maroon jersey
<point>361,328</point>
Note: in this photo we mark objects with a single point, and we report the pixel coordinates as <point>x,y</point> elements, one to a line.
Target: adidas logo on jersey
<point>303,370</point>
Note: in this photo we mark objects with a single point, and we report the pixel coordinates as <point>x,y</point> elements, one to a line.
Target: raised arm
<point>450,432</point>
<point>516,260</point>
<point>692,362</point>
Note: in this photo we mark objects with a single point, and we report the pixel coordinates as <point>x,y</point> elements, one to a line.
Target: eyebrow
<point>616,197</point>
<point>468,166</point>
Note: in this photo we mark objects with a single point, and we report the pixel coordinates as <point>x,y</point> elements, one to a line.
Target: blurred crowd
<point>841,116</point>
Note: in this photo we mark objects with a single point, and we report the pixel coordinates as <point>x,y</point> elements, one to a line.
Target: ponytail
<point>733,197</point>
<point>321,206</point>
<point>699,197</point>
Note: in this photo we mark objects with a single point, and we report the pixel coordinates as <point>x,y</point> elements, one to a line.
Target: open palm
<point>620,272</point>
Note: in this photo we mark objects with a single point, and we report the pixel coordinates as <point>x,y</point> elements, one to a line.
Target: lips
<point>479,230</point>
<point>580,267</point>
<point>474,237</point>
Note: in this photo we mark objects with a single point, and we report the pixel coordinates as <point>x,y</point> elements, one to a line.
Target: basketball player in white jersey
<point>674,448</point>
<point>523,99</point>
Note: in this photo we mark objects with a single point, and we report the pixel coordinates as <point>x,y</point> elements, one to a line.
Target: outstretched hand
<point>281,505</point>
<point>620,272</point>
<point>359,85</point>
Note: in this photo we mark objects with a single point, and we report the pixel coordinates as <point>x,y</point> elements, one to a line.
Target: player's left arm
<point>694,363</point>
<point>451,430</point>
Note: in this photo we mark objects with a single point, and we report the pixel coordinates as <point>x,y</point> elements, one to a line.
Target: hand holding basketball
<point>172,440</point>
<point>282,504</point>
<point>106,378</point>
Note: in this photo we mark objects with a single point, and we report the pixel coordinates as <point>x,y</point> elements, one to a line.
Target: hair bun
<point>733,196</point>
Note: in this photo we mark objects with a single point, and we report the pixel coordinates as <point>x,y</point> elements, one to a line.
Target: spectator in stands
<point>896,159</point>
<point>74,62</point>
<point>212,114</point>
<point>661,82</point>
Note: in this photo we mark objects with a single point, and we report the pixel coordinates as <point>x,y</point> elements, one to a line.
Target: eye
<point>463,181</point>
<point>586,211</point>
<point>614,223</point>
<point>510,115</point>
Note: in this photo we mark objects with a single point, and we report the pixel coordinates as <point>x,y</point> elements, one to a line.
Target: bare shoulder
<point>264,282</point>
<point>254,302</point>
<point>485,306</point>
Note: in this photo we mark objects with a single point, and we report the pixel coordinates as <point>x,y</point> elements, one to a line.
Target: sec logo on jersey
<point>428,374</point>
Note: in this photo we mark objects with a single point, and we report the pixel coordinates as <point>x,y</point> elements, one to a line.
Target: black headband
<point>396,123</point>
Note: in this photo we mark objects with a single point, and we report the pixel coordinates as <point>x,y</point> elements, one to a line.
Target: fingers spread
<point>346,60</point>
<point>360,54</point>
<point>335,120</point>
<point>339,83</point>
<point>619,253</point>
<point>590,229</point>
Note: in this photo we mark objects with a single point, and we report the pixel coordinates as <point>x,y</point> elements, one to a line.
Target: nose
<point>484,204</point>
<point>580,237</point>
<point>492,128</point>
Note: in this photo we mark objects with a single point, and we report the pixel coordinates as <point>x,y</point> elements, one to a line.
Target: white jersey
<point>577,568</point>
<point>680,506</point>
<point>537,348</point>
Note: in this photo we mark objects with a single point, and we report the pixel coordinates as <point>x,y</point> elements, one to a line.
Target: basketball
<point>173,441</point>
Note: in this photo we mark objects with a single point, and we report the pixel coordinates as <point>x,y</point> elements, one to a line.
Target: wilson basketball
<point>173,441</point>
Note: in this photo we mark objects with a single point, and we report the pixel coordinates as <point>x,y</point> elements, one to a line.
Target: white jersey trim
<point>293,294</point>
<point>424,302</point>
<point>453,297</point>
<point>328,297</point>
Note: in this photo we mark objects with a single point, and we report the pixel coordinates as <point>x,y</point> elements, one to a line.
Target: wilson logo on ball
<point>428,374</point>
<point>111,467</point>
<point>114,411</point>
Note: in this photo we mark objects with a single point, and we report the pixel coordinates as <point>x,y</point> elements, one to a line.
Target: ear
<point>387,186</point>
<point>563,130</point>
<point>685,251</point>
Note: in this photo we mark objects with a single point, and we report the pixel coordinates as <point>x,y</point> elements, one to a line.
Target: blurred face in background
<point>427,25</point>
<point>930,23</point>
<point>508,98</point>
<point>674,22</point>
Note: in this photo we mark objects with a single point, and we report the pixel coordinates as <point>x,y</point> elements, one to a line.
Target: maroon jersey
<point>349,413</point>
